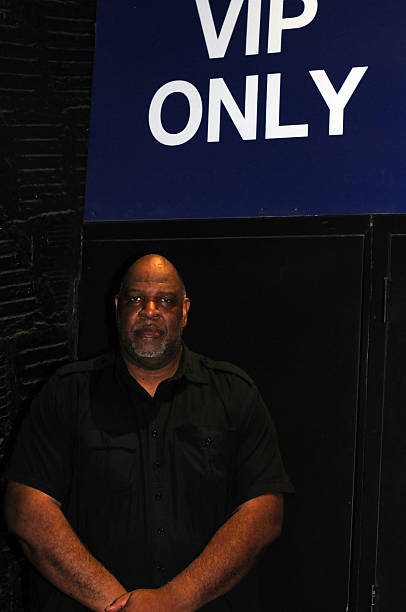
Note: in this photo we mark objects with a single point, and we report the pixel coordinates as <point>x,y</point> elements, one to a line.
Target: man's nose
<point>150,309</point>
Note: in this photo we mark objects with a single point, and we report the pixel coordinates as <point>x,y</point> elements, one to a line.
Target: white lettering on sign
<point>220,94</point>
<point>246,123</point>
<point>277,22</point>
<point>192,123</point>
<point>221,98</point>
<point>337,101</point>
<point>272,127</point>
<point>217,44</point>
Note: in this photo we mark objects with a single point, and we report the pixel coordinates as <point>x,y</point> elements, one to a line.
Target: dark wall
<point>46,53</point>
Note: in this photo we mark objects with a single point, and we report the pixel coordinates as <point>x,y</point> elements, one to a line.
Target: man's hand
<point>146,600</point>
<point>119,603</point>
<point>226,559</point>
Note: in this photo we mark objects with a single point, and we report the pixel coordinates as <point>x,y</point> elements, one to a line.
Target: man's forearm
<point>231,553</point>
<point>55,550</point>
<point>226,559</point>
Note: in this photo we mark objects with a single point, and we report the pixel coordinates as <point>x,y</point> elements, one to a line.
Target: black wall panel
<point>282,299</point>
<point>391,546</point>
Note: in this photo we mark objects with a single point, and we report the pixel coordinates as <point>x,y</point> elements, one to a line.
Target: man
<point>151,480</point>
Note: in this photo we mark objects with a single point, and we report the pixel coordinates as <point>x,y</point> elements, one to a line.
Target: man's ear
<point>185,307</point>
<point>116,305</point>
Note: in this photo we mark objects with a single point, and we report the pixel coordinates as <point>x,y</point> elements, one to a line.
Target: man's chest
<point>134,445</point>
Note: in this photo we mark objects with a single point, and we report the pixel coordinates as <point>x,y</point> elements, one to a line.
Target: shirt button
<point>156,465</point>
<point>158,496</point>
<point>155,433</point>
<point>161,531</point>
<point>160,568</point>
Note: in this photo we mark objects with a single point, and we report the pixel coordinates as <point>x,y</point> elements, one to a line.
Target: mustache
<point>139,330</point>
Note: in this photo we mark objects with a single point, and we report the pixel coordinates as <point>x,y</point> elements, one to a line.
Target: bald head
<point>152,268</point>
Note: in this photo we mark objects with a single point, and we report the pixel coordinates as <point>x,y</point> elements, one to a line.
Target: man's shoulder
<point>225,368</point>
<point>228,368</point>
<point>87,366</point>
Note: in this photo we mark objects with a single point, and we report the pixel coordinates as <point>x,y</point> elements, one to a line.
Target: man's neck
<point>150,379</point>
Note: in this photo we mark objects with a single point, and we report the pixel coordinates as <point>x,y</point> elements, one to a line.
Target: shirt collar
<point>190,367</point>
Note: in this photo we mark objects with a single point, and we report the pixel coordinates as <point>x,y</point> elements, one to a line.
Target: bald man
<point>148,480</point>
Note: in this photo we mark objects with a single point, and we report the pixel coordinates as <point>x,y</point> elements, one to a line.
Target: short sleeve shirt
<point>146,481</point>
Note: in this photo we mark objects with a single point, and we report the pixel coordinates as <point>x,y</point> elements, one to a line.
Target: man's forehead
<point>155,271</point>
<point>143,282</point>
<point>153,276</point>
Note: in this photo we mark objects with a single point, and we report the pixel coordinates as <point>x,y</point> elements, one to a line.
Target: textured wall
<point>46,53</point>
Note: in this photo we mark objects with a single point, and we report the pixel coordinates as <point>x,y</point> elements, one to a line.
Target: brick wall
<point>46,53</point>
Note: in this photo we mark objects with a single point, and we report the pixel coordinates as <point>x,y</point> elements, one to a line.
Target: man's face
<point>151,314</point>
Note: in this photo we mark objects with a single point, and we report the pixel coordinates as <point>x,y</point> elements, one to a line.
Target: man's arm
<point>226,559</point>
<point>52,546</point>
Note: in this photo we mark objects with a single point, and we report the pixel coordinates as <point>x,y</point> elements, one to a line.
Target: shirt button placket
<point>157,465</point>
<point>159,530</point>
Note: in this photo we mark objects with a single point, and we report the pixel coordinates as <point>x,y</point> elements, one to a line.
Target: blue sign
<point>245,108</point>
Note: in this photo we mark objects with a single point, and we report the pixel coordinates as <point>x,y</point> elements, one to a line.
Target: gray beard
<point>161,356</point>
<point>132,349</point>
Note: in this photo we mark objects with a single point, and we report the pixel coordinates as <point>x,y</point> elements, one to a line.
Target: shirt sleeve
<point>259,466</point>
<point>42,456</point>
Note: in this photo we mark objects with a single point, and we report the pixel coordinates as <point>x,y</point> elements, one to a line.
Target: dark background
<point>311,307</point>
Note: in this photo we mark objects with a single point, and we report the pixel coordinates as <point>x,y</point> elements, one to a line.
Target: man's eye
<point>135,298</point>
<point>167,300</point>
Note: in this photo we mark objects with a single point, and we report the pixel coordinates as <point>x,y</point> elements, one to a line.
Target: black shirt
<point>145,482</point>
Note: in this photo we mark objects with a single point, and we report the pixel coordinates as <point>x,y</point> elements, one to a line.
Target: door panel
<point>391,557</point>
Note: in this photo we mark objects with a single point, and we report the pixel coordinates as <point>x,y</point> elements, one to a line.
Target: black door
<point>282,299</point>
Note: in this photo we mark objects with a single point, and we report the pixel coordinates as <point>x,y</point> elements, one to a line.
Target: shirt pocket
<point>109,463</point>
<point>206,450</point>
